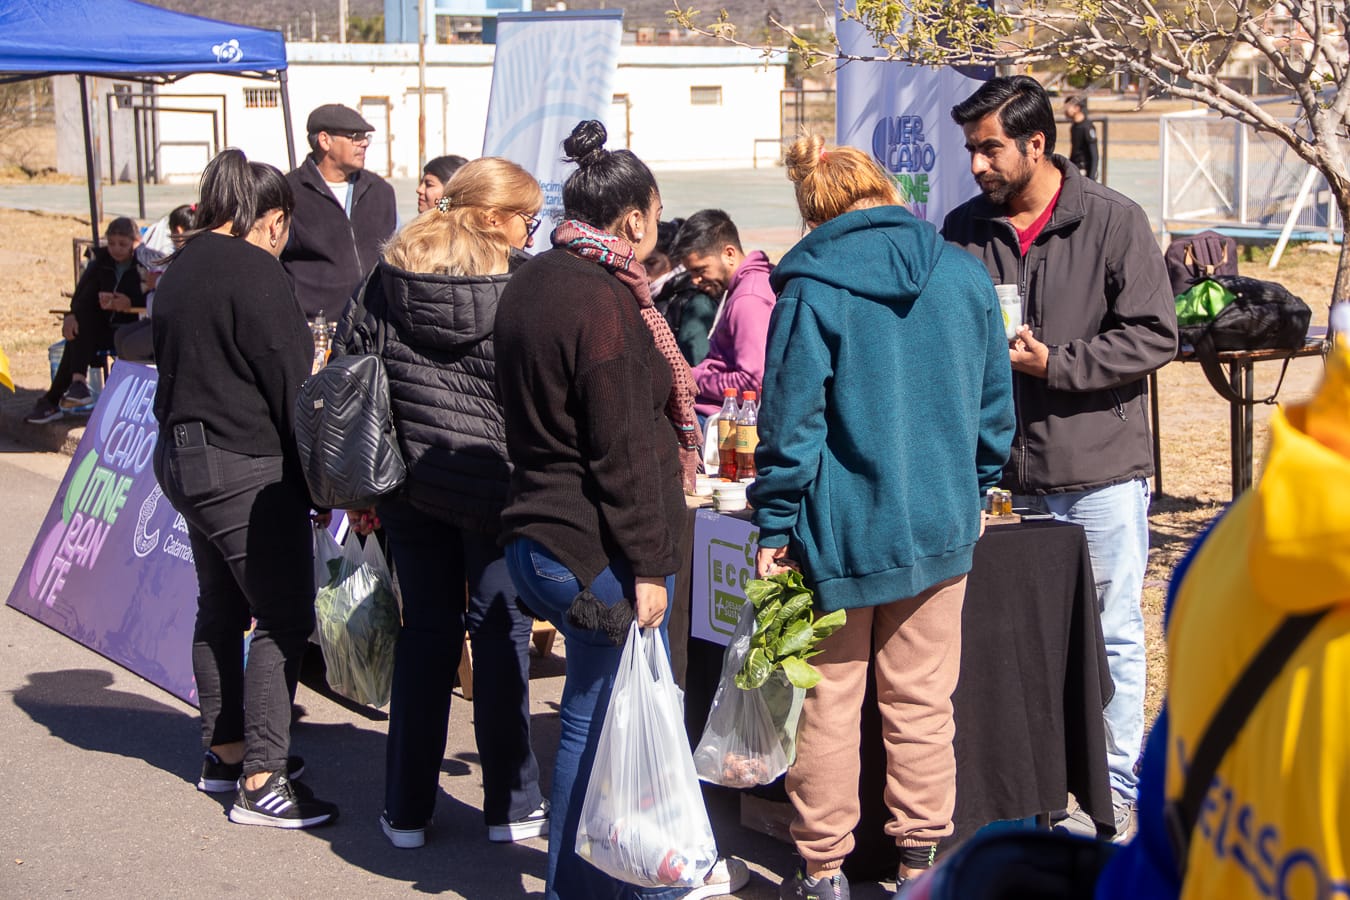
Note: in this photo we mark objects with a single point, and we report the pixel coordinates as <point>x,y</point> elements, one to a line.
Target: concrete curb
<point>61,436</point>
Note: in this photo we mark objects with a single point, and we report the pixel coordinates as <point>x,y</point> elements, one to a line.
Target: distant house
<point>676,107</point>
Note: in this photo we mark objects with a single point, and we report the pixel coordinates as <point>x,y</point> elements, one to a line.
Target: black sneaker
<point>223,778</point>
<point>43,412</point>
<point>77,395</point>
<point>277,804</point>
<point>798,888</point>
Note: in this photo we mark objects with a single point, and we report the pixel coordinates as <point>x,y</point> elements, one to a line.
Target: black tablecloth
<point>1029,703</point>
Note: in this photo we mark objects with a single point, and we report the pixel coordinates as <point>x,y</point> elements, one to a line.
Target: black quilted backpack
<point>344,429</point>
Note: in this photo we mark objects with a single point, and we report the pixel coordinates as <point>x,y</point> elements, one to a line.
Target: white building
<point>676,107</point>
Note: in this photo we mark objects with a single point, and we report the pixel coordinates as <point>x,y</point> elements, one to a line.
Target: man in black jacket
<point>1098,316</point>
<point>342,213</point>
<point>1082,137</point>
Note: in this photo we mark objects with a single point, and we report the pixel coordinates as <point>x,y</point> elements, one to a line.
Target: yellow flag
<point>5,378</point>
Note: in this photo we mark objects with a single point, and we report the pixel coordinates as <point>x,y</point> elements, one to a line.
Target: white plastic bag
<point>643,819</point>
<point>358,621</point>
<point>326,551</point>
<point>750,736</point>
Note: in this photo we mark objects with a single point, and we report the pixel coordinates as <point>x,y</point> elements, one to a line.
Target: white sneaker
<point>403,838</point>
<point>532,826</point>
<point>728,875</point>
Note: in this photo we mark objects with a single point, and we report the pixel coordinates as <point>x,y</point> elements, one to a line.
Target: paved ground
<point>760,201</point>
<point>100,768</point>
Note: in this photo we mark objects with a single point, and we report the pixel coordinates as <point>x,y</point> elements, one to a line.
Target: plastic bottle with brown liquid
<point>747,437</point>
<point>726,436</point>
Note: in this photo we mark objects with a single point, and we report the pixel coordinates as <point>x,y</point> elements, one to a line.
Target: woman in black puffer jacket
<point>428,310</point>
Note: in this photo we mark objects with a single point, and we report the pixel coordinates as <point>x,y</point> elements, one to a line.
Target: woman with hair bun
<point>428,310</point>
<point>887,413</point>
<point>599,411</point>
<point>232,347</point>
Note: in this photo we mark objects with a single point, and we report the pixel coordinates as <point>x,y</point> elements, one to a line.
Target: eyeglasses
<point>532,223</point>
<point>356,137</point>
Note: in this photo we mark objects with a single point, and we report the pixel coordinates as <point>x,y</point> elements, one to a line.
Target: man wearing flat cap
<point>342,213</point>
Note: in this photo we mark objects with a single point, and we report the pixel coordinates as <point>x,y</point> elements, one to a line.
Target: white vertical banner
<point>901,115</point>
<point>551,71</point>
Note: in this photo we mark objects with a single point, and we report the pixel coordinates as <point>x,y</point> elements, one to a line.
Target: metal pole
<point>342,21</point>
<point>91,180</point>
<point>139,135</point>
<point>286,115</point>
<point>421,85</point>
<point>112,161</point>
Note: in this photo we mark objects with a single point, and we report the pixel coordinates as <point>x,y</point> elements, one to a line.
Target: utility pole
<point>342,21</point>
<point>421,85</point>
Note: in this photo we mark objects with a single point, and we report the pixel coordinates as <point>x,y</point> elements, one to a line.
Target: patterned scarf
<point>617,256</point>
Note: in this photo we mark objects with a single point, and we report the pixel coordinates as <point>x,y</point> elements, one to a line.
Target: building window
<point>261,98</point>
<point>705,95</point>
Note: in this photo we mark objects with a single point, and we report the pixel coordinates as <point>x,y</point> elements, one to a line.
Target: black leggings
<point>253,550</point>
<point>95,335</point>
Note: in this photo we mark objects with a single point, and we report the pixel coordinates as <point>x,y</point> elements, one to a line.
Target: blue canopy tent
<point>131,41</point>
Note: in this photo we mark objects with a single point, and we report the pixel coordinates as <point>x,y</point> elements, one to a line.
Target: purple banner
<point>111,566</point>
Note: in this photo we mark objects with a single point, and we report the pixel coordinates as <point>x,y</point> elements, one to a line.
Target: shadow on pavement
<point>79,707</point>
<point>345,764</point>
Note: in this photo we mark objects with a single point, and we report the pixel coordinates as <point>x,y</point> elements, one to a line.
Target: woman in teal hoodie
<point>887,413</point>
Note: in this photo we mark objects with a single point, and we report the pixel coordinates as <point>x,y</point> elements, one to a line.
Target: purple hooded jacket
<point>736,347</point>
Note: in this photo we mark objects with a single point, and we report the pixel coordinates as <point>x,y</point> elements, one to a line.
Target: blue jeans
<point>548,587</point>
<point>1116,521</point>
<point>433,561</point>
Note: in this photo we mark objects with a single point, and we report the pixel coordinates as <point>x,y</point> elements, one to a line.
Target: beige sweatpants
<point>917,644</point>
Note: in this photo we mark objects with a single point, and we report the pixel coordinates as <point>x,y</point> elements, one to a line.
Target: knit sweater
<point>596,469</point>
<point>231,345</point>
<point>887,408</point>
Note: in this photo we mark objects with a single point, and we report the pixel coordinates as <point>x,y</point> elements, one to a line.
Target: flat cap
<point>334,117</point>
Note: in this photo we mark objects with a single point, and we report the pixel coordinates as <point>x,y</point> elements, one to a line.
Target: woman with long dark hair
<point>428,312</point>
<point>599,410</point>
<point>232,347</point>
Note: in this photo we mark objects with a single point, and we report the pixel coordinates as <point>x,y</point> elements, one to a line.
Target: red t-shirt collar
<point>1025,238</point>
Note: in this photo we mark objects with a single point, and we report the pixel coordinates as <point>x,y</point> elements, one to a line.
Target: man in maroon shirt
<point>1099,316</point>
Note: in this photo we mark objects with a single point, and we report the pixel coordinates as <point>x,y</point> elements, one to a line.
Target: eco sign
<point>724,562</point>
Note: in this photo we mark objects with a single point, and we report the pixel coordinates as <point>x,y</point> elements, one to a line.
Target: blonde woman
<point>887,412</point>
<point>428,311</point>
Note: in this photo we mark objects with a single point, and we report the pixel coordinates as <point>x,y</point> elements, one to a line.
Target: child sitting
<point>133,342</point>
<point>103,299</point>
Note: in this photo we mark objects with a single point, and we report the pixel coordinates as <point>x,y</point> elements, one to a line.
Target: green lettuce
<point>786,632</point>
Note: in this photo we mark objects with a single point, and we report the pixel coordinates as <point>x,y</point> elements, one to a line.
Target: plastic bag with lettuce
<point>751,734</point>
<point>357,618</point>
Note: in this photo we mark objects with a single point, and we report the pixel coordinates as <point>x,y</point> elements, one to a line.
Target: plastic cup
<point>729,497</point>
<point>1010,304</point>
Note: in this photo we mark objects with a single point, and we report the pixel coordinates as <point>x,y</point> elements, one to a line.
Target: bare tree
<point>1177,46</point>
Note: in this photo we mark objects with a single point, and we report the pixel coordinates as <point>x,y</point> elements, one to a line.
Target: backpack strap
<point>358,331</point>
<point>1208,356</point>
<point>1180,815</point>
